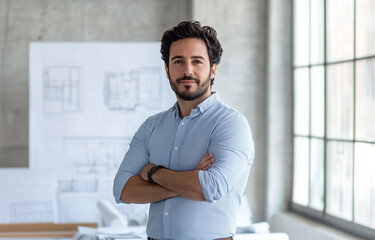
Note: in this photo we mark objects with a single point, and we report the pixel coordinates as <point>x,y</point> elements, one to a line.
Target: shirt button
<point>166,213</point>
<point>176,148</point>
<point>195,110</point>
<point>182,123</point>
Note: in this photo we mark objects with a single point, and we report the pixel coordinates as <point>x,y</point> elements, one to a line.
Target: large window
<point>334,113</point>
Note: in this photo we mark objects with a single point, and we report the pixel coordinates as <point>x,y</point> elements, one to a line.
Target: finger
<point>207,167</point>
<point>208,155</point>
<point>209,161</point>
<point>205,157</point>
<point>202,165</point>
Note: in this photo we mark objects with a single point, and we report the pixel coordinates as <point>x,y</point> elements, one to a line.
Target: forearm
<point>185,184</point>
<point>136,190</point>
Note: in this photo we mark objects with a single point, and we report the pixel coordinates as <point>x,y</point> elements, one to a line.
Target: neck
<point>185,107</point>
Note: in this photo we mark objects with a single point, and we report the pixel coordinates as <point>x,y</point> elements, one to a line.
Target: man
<point>192,161</point>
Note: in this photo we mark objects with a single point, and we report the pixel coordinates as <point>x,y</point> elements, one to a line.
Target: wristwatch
<point>152,171</point>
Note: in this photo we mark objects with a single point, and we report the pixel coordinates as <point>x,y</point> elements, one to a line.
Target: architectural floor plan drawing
<point>121,91</point>
<point>96,154</point>
<point>74,198</point>
<point>86,101</point>
<point>61,89</point>
<point>140,87</point>
<point>27,196</point>
<point>31,211</point>
<point>77,185</point>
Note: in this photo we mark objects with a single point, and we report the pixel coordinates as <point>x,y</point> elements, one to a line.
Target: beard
<point>187,94</point>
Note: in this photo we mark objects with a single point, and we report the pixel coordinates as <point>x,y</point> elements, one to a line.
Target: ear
<point>213,70</point>
<point>166,70</point>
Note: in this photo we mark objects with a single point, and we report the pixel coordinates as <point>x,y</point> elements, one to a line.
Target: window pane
<point>301,101</point>
<point>364,184</point>
<point>340,101</point>
<point>301,171</point>
<point>317,174</point>
<point>365,100</point>
<point>317,101</point>
<point>340,29</point>
<point>317,31</point>
<point>339,179</point>
<point>365,43</point>
<point>301,32</point>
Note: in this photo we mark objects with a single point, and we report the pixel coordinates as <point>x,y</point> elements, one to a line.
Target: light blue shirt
<point>179,145</point>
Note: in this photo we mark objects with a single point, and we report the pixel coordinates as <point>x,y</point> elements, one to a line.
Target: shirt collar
<point>203,106</point>
<point>208,102</point>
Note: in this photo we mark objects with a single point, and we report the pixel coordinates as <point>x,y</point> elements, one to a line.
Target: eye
<point>177,62</point>
<point>197,61</point>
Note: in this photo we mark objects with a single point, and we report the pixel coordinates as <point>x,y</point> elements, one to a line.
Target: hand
<point>144,171</point>
<point>206,162</point>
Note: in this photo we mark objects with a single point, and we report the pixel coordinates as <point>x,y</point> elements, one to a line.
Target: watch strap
<point>152,171</point>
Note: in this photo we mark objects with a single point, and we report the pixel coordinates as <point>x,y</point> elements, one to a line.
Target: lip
<point>188,82</point>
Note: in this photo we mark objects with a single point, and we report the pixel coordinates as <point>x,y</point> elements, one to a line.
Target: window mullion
<point>354,107</point>
<point>325,107</point>
<point>309,197</point>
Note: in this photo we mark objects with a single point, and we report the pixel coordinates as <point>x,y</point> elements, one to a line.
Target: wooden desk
<point>41,230</point>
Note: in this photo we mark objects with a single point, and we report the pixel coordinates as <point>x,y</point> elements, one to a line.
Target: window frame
<point>322,216</point>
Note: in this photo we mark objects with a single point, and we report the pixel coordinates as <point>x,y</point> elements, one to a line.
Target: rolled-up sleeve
<point>233,149</point>
<point>135,159</point>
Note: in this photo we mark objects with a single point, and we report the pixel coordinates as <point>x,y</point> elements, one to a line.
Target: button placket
<point>166,219</point>
<point>180,134</point>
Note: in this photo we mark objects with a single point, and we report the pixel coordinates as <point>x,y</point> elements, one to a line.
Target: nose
<point>188,70</point>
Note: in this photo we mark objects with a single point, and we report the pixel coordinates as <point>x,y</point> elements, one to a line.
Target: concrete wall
<point>280,107</point>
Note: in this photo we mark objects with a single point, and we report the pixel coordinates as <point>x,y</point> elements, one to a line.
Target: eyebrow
<point>200,57</point>
<point>179,57</point>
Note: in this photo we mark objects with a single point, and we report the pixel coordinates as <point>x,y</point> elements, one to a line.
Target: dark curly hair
<point>192,29</point>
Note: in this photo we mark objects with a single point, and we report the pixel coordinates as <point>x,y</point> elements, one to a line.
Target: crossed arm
<point>169,184</point>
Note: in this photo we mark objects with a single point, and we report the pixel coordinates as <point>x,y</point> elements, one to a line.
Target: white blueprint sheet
<point>86,102</point>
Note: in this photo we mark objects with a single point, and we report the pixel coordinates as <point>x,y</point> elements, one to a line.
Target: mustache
<point>188,78</point>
